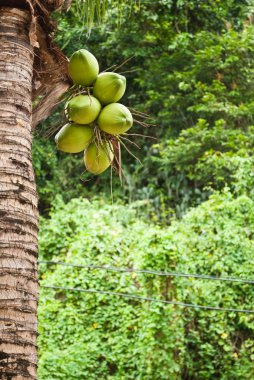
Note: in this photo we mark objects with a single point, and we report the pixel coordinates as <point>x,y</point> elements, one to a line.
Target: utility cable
<point>152,272</point>
<point>141,298</point>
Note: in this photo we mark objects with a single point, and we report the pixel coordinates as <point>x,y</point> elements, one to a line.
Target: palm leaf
<point>95,10</point>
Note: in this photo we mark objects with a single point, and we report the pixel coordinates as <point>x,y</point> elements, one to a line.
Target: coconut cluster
<point>95,118</point>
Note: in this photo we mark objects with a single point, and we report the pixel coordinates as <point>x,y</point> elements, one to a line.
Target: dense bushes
<point>99,336</point>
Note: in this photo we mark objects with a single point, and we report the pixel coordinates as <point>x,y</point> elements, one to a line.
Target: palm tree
<point>31,68</point>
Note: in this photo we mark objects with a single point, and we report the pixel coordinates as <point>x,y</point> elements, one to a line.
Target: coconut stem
<point>133,155</point>
<point>140,135</point>
<point>111,67</point>
<point>129,71</point>
<point>145,125</point>
<point>131,142</point>
<point>139,112</point>
<point>124,62</point>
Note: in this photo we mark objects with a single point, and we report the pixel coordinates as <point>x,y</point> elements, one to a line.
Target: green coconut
<point>109,87</point>
<point>83,109</point>
<point>115,119</point>
<point>97,158</point>
<point>73,138</point>
<point>83,67</point>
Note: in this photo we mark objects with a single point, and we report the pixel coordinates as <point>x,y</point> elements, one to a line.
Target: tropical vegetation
<point>189,208</point>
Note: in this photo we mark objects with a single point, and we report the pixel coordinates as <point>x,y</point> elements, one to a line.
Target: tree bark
<point>18,201</point>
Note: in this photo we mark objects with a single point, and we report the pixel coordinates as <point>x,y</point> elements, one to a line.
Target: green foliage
<point>89,335</point>
<point>213,156</point>
<point>220,242</point>
<point>209,110</point>
<point>194,75</point>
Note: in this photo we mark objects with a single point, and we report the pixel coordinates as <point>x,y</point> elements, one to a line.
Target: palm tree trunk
<point>18,201</point>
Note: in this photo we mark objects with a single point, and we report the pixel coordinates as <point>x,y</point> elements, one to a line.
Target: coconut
<point>73,138</point>
<point>83,109</point>
<point>115,119</point>
<point>98,158</point>
<point>83,67</point>
<point>109,87</point>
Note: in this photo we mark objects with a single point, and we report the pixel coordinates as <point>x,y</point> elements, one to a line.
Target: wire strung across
<point>141,298</point>
<point>151,272</point>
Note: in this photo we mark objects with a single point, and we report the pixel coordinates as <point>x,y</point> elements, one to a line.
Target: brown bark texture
<point>18,201</point>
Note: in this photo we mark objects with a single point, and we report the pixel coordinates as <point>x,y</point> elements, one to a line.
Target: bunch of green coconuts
<point>94,111</point>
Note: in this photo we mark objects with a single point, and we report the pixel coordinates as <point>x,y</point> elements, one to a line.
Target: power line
<point>152,272</point>
<point>134,296</point>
